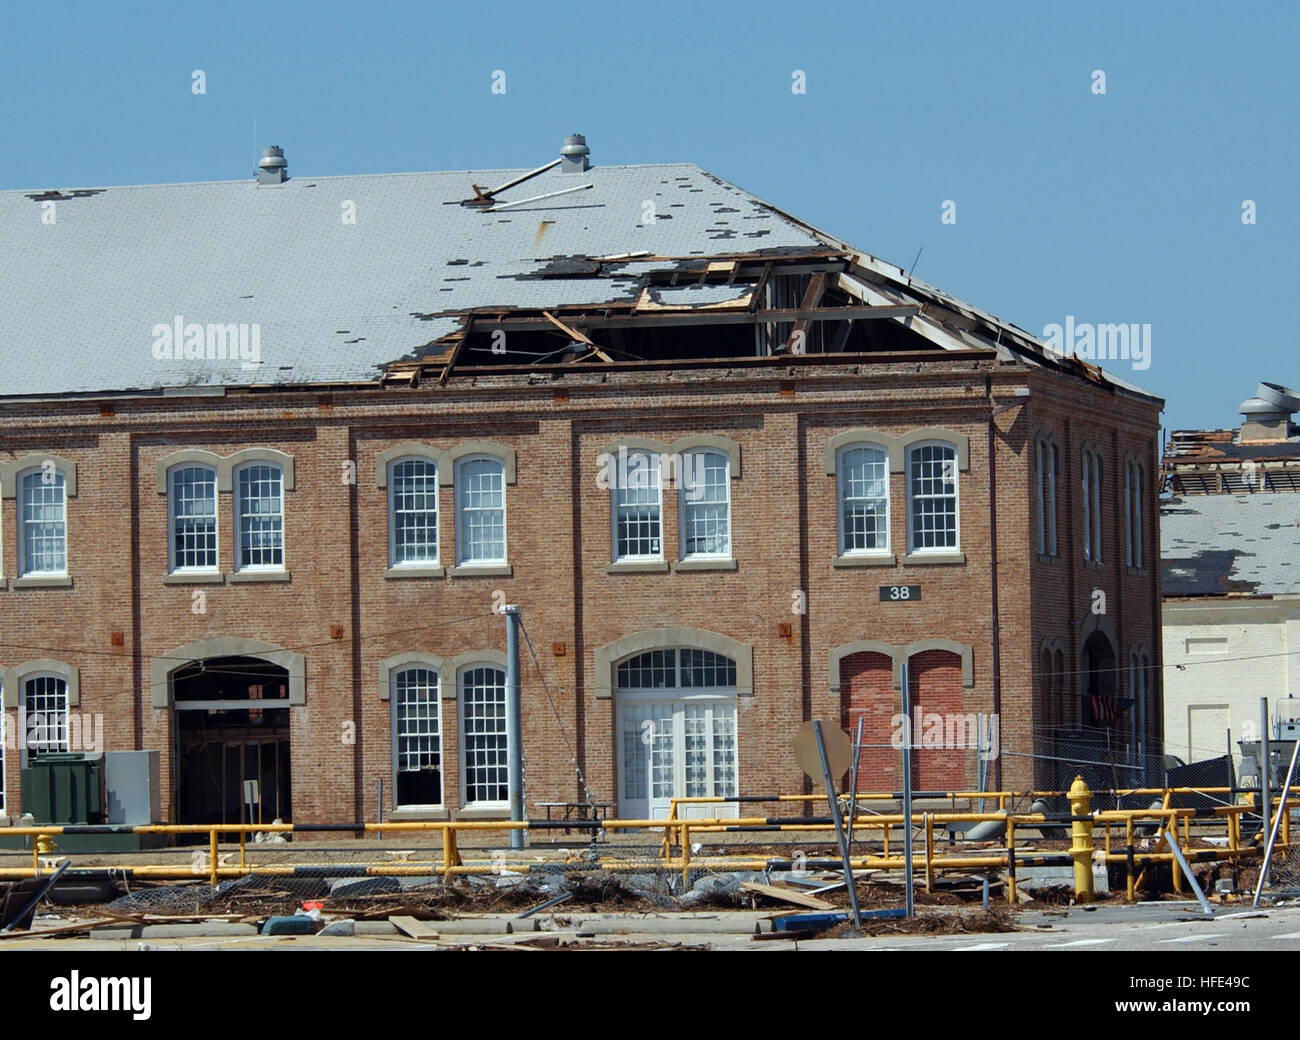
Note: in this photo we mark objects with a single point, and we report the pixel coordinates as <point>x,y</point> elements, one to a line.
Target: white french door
<point>676,748</point>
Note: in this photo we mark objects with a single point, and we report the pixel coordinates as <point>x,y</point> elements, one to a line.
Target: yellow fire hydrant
<point>1081,846</point>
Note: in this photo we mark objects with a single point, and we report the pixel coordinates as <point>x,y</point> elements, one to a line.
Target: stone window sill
<point>417,813</point>
<point>502,813</point>
<point>242,576</point>
<point>1048,558</point>
<point>638,567</point>
<point>865,560</point>
<point>43,581</point>
<point>194,578</point>
<point>482,570</point>
<point>414,571</point>
<point>705,565</point>
<point>1137,572</point>
<point>936,557</point>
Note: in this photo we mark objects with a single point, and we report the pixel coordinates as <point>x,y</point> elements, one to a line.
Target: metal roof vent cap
<point>573,156</point>
<point>272,168</point>
<point>1268,414</point>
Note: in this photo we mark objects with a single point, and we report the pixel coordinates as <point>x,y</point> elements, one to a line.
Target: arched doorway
<point>1098,675</point>
<point>676,719</point>
<point>232,726</point>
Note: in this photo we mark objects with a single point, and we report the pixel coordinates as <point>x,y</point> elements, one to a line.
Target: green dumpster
<point>64,788</point>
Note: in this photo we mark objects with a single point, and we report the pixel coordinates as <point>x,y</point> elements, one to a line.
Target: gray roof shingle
<point>1213,545</point>
<point>335,301</point>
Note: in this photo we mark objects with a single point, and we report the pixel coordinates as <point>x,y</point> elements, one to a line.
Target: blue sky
<point>1124,207</point>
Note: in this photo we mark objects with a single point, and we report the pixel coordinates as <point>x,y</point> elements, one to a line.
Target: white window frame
<point>840,497</point>
<point>172,567</point>
<point>395,702</point>
<point>1093,478</point>
<point>462,538</point>
<point>912,451</point>
<point>236,484</point>
<point>392,513</point>
<point>616,508</point>
<point>25,712</point>
<point>24,569</point>
<point>464,749</point>
<point>685,505</point>
<point>676,699</point>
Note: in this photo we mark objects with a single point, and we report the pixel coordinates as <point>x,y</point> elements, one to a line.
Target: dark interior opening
<point>218,748</point>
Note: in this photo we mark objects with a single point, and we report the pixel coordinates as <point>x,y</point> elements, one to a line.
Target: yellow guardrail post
<point>212,856</point>
<point>1011,856</point>
<point>450,854</point>
<point>686,854</point>
<point>1174,839</point>
<point>1081,844</point>
<point>929,852</point>
<point>1128,853</point>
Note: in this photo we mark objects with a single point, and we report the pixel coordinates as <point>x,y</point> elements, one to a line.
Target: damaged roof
<point>342,280</point>
<point>1221,545</point>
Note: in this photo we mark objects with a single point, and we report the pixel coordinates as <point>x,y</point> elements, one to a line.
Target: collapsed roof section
<point>413,279</point>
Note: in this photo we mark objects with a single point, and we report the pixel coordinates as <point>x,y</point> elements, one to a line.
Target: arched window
<point>485,752</point>
<point>676,717</point>
<point>1134,492</point>
<point>862,474</point>
<point>412,512</point>
<point>192,505</point>
<point>417,736</point>
<point>1092,488</point>
<point>636,505</point>
<point>43,725</point>
<point>932,517</point>
<point>259,507</point>
<point>42,522</point>
<point>704,499</point>
<point>480,510</point>
<point>1048,473</point>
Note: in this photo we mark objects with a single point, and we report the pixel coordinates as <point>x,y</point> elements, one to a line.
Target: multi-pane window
<point>647,751</point>
<point>637,503</point>
<point>706,505</point>
<point>484,744</point>
<point>863,477</point>
<point>260,510</point>
<point>481,510</point>
<point>413,512</point>
<point>932,497</point>
<point>418,731</point>
<point>1049,470</point>
<point>193,501</point>
<point>680,742</point>
<point>1092,484</point>
<point>1133,493</point>
<point>42,515</point>
<point>44,725</point>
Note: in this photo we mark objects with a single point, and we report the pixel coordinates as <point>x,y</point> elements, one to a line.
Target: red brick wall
<point>783,534</point>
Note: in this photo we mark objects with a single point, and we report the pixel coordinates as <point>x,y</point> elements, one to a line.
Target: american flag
<point>1106,709</point>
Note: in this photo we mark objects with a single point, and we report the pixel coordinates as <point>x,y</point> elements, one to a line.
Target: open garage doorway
<point>232,726</point>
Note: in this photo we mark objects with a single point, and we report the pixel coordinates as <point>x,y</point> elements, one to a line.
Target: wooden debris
<point>787,895</point>
<point>416,929</point>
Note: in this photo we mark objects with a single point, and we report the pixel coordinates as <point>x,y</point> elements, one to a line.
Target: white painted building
<point>1230,547</point>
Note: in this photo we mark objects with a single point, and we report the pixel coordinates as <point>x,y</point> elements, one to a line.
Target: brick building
<point>273,453</point>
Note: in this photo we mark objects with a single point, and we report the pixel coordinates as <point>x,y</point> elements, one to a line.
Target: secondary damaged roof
<point>1221,545</point>
<point>92,274</point>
